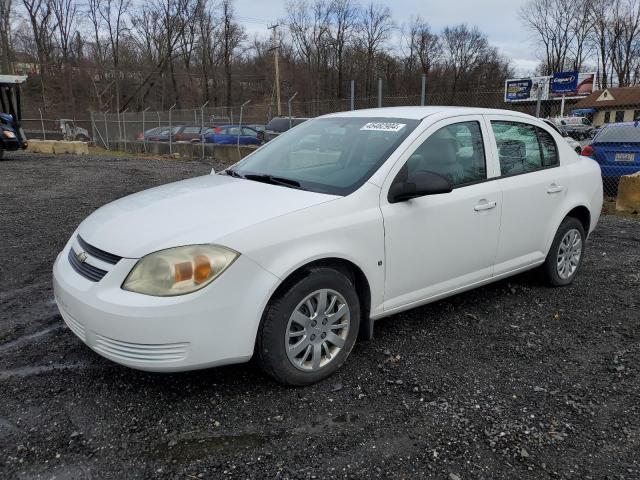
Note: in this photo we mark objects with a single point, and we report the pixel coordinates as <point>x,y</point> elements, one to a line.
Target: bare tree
<point>425,48</point>
<point>464,49</point>
<point>39,15</point>
<point>5,36</point>
<point>550,22</point>
<point>625,36</point>
<point>232,35</point>
<point>376,25</point>
<point>345,15</point>
<point>600,11</point>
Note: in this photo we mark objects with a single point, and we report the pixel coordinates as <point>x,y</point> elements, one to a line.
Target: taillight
<point>587,151</point>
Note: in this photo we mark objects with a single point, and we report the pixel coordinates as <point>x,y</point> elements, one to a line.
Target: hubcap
<point>317,330</point>
<point>569,253</point>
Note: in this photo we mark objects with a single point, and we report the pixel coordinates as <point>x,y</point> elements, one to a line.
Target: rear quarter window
<point>619,134</point>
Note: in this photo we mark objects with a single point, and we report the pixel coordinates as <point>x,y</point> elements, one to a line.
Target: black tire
<point>270,342</point>
<point>549,267</point>
<point>1,153</point>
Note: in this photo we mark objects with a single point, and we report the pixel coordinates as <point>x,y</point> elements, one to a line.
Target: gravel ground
<point>513,380</point>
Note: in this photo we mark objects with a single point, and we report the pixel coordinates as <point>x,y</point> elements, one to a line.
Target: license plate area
<point>625,157</point>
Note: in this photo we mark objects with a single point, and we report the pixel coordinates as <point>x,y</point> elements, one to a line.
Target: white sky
<point>498,19</point>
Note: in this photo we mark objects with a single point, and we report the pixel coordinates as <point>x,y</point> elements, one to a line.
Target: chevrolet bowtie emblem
<point>81,256</point>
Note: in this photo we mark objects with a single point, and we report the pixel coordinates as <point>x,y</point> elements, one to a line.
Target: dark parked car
<point>233,134</point>
<point>616,148</point>
<point>279,125</point>
<point>11,134</point>
<point>189,133</point>
<point>152,132</point>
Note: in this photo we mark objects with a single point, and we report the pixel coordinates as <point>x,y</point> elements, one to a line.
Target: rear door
<point>533,187</point>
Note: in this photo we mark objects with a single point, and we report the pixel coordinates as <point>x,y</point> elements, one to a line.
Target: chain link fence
<point>118,130</point>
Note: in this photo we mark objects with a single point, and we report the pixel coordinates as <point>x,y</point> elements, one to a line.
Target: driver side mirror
<point>422,183</point>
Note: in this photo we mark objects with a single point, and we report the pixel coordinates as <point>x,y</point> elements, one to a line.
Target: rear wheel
<point>309,330</point>
<point>565,256</point>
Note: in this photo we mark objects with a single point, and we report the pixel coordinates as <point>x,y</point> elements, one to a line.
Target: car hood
<point>194,211</point>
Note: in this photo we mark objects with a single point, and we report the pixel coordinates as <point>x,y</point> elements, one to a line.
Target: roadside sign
<point>525,89</point>
<point>571,84</point>
<point>564,83</point>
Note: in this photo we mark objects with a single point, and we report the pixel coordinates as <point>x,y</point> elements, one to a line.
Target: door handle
<point>484,205</point>
<point>553,188</point>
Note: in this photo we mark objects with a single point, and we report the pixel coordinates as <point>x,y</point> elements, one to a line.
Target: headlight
<point>8,134</point>
<point>179,270</point>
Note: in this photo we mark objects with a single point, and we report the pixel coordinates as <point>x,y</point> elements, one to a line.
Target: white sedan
<point>293,252</point>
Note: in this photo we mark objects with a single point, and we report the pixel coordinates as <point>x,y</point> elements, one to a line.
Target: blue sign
<point>564,83</point>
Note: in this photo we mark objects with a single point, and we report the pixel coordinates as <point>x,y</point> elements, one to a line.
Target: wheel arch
<point>349,268</point>
<point>580,212</point>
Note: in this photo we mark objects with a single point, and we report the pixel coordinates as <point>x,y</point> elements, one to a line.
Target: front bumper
<point>213,326</point>
<point>12,144</point>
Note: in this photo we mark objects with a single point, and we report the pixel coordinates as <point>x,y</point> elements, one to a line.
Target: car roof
<point>419,113</point>
<point>621,124</point>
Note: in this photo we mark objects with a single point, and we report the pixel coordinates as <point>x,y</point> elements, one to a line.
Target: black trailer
<point>11,134</point>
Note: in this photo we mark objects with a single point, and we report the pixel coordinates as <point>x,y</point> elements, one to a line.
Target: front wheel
<point>565,256</point>
<point>308,331</point>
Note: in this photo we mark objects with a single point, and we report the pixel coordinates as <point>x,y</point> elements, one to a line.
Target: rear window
<point>622,133</point>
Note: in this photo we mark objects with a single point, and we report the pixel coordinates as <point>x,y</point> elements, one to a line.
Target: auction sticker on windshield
<point>383,126</point>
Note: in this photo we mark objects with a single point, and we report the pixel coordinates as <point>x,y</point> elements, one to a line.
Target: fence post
<point>423,90</point>
<point>289,106</point>
<point>379,92</point>
<point>106,130</point>
<point>124,128</point>
<point>44,135</point>
<point>202,126</point>
<point>353,93</point>
<point>144,137</point>
<point>170,129</point>
<point>93,129</point>
<point>539,101</point>
<point>240,128</point>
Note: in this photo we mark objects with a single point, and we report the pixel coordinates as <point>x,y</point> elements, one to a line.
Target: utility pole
<point>276,48</point>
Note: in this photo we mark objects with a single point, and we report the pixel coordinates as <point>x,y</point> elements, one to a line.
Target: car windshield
<point>619,133</point>
<point>328,155</point>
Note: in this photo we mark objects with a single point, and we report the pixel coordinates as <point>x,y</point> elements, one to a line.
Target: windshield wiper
<point>232,173</point>
<point>285,182</point>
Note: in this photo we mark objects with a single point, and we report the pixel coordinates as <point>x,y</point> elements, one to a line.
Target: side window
<point>455,151</point>
<point>523,147</point>
<point>548,147</point>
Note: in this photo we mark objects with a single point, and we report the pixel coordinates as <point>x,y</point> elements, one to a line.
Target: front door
<point>437,244</point>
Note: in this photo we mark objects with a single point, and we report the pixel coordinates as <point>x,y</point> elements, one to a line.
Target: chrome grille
<point>97,253</point>
<point>89,272</point>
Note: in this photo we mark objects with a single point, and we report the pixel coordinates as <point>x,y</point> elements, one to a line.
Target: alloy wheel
<point>569,253</point>
<point>317,330</point>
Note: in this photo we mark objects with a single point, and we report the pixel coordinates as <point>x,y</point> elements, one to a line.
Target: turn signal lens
<point>180,270</point>
<point>202,268</point>
<point>587,151</point>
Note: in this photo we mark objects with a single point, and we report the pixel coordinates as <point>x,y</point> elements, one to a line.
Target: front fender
<point>349,228</point>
